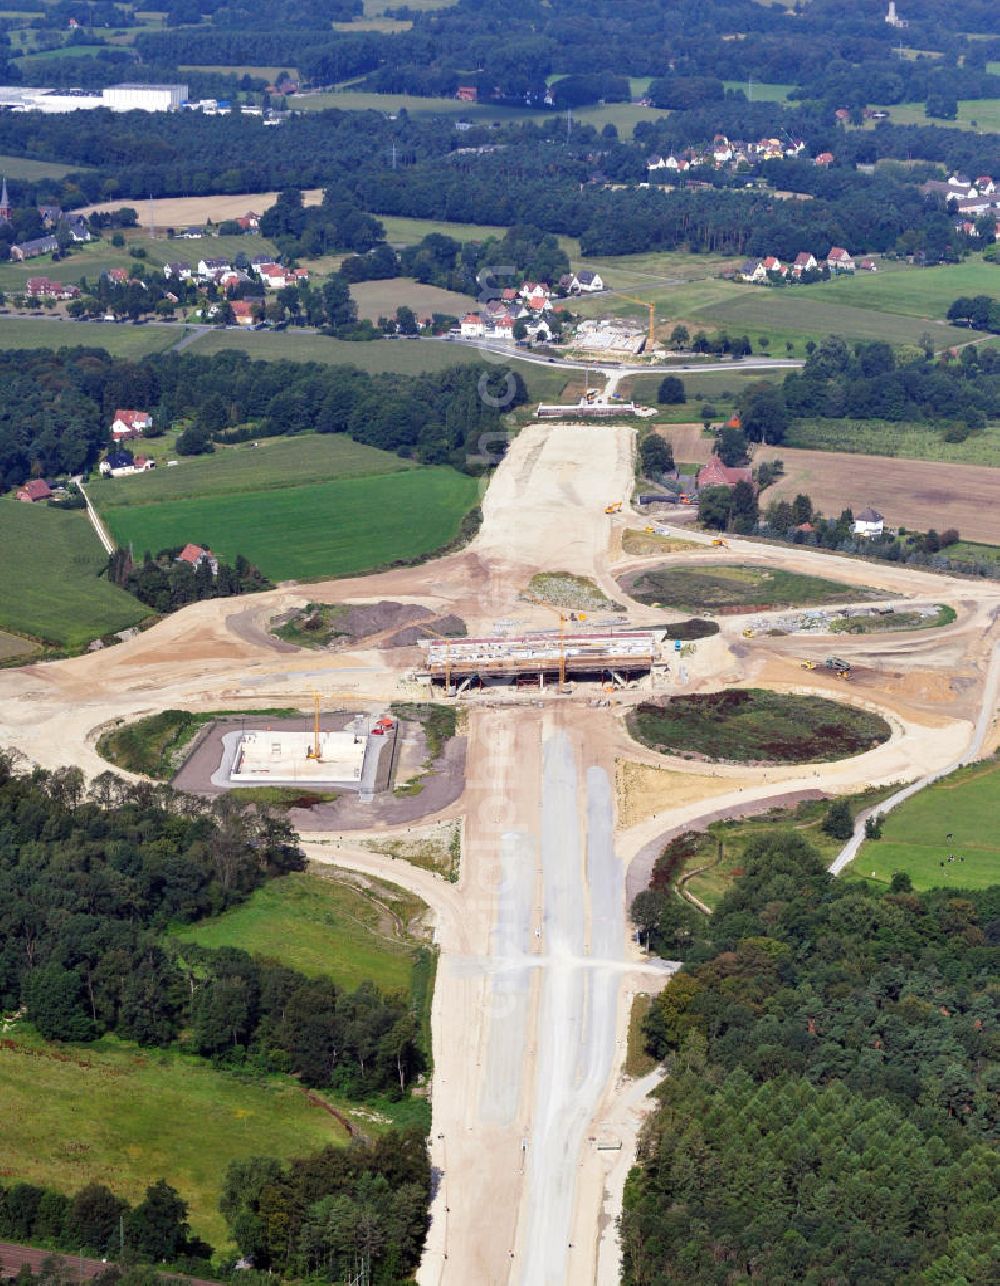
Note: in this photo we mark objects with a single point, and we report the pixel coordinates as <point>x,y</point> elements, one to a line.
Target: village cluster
<point>532,305</point>
<point>804,267</point>
<point>974,203</point>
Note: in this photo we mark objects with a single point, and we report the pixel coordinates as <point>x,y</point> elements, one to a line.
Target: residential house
<point>211,267</point>
<point>119,276</point>
<point>36,489</point>
<point>192,234</point>
<point>180,269</point>
<point>32,249</point>
<point>467,93</point>
<point>824,158</point>
<point>194,556</point>
<point>243,313</point>
<point>130,424</point>
<point>472,326</point>
<point>753,270</point>
<point>868,265</point>
<point>869,522</point>
<point>273,275</point>
<point>78,228</point>
<point>263,261</point>
<point>804,262</point>
<point>535,288</point>
<point>838,260</point>
<point>44,288</point>
<point>235,277</point>
<point>717,474</point>
<point>249,222</point>
<point>50,215</point>
<point>587,282</point>
<point>117,464</point>
<point>773,264</point>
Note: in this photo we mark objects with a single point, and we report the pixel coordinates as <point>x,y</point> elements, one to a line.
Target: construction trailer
<point>612,657</point>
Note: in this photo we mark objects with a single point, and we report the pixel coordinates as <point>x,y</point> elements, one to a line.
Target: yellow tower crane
<point>651,337</point>
<point>316,698</point>
<point>563,618</point>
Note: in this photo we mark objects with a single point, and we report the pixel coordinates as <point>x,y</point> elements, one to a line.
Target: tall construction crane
<point>651,337</point>
<point>314,751</point>
<point>563,618</point>
<point>447,639</point>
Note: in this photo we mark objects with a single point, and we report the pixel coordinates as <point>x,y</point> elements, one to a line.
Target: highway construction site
<point>534,1120</point>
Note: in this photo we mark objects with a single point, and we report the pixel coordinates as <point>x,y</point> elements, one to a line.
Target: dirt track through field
<point>918,494</point>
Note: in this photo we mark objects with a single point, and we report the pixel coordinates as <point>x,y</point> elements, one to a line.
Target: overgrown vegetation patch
<point>752,725</point>
<point>157,744</point>
<point>733,588</point>
<point>575,593</point>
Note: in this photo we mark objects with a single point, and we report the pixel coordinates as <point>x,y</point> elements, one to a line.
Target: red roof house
<point>36,489</point>
<point>130,424</point>
<point>194,556</point>
<point>717,474</point>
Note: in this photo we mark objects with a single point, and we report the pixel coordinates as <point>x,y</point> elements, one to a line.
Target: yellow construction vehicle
<point>615,507</point>
<point>748,633</point>
<point>724,544</point>
<point>807,665</point>
<point>651,333</point>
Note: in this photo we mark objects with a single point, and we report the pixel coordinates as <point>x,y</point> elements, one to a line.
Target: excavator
<point>615,507</point>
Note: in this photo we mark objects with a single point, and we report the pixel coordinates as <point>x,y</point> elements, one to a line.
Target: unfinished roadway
<point>537,966</point>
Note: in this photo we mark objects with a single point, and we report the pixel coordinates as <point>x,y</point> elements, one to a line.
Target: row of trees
<point>95,1221</point>
<point>829,1111</point>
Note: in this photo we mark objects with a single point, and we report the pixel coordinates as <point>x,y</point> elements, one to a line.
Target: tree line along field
<point>332,528</point>
<point>117,1114</point>
<point>980,114</point>
<point>915,836</point>
<point>50,588</point>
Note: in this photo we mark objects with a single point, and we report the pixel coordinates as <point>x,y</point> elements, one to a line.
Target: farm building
<point>36,489</point>
<point>130,424</point>
<point>717,474</point>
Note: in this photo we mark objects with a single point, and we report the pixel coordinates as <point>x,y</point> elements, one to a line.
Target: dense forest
<point>88,884</point>
<point>831,1110</point>
<point>56,407</point>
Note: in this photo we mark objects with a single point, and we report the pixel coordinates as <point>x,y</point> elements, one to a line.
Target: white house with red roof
<point>804,262</point>
<point>839,260</point>
<point>130,424</point>
<point>243,312</point>
<point>472,326</point>
<point>194,556</point>
<point>773,264</point>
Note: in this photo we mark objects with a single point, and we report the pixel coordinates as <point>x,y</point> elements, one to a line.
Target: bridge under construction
<point>610,657</point>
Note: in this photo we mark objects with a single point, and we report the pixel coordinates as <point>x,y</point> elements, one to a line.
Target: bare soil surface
<point>911,493</point>
<point>189,211</point>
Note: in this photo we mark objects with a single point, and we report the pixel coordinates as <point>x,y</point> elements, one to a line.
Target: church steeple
<point>5,210</point>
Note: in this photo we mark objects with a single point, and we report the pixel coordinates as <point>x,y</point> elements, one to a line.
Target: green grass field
<point>377,299</point>
<point>915,835</point>
<point>796,315</point>
<point>54,332</point>
<point>980,114</point>
<point>916,292</point>
<point>761,91</point>
<point>332,528</point>
<point>50,587</point>
<point>324,927</point>
<point>276,463</point>
<point>905,441</point>
<point>116,1114</point>
<point>408,357</point>
<point>754,725</point>
<point>23,167</point>
<point>706,588</point>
